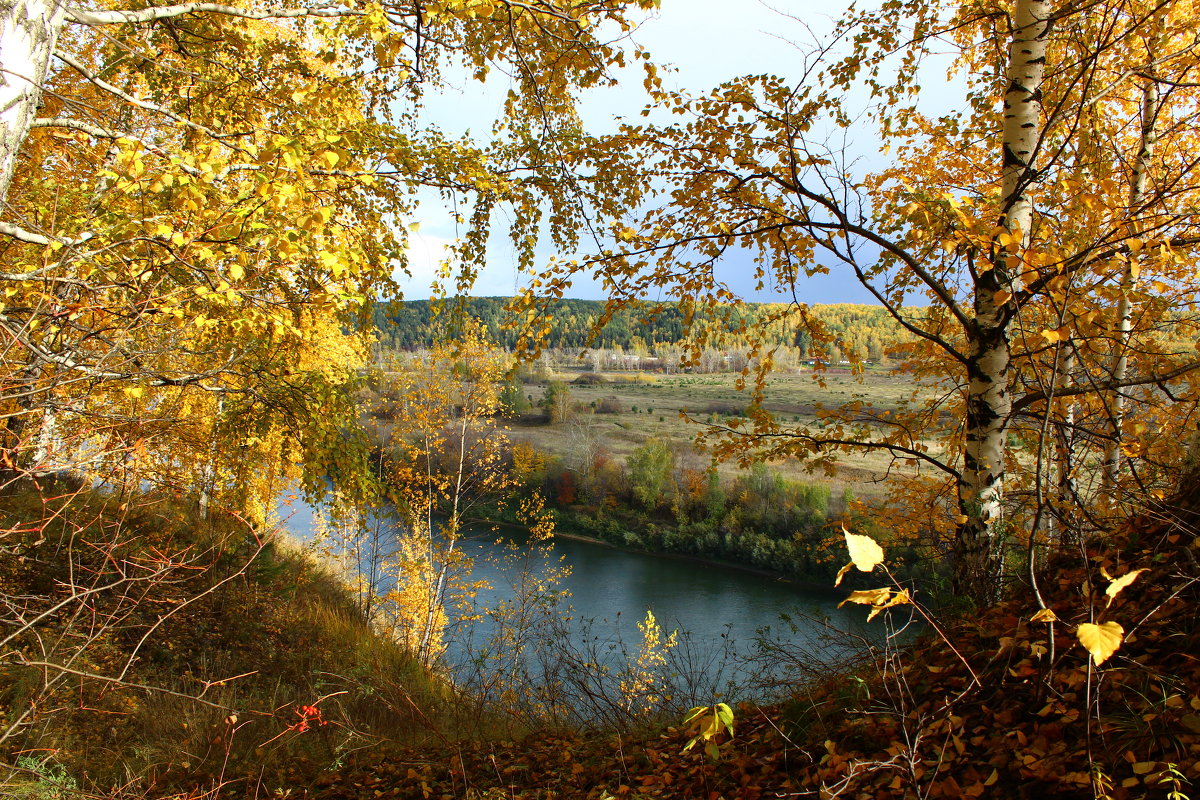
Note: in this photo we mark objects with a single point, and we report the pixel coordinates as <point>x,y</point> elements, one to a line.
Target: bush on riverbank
<point>759,520</point>
<point>1000,704</point>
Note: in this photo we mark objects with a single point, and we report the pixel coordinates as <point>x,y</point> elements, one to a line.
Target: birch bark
<point>28,34</point>
<point>1138,181</point>
<point>989,404</point>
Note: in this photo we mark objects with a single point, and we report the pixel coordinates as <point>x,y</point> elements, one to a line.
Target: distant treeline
<point>867,330</point>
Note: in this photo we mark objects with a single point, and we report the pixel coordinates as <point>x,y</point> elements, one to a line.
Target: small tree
<point>557,402</point>
<point>651,468</point>
<point>513,401</point>
<point>448,457</point>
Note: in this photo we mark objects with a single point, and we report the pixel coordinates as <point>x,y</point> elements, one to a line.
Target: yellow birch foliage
<point>446,456</point>
<point>207,203</point>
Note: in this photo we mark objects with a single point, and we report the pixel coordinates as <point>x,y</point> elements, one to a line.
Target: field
<point>659,405</point>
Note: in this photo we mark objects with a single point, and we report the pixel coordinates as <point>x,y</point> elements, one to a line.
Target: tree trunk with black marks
<point>1138,180</point>
<point>979,564</point>
<point>28,34</point>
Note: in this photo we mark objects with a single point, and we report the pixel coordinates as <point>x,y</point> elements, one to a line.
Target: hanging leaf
<point>1100,640</point>
<point>868,597</point>
<point>1118,584</point>
<point>1045,615</point>
<point>865,553</point>
<point>878,599</point>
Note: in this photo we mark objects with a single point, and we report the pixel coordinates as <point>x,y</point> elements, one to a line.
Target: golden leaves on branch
<point>878,599</point>
<point>865,555</point>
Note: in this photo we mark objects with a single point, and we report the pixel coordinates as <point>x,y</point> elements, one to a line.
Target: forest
<point>858,332</point>
<point>210,219</point>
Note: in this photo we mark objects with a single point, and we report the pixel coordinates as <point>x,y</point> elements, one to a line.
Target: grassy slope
<point>229,609</point>
<point>1010,718</point>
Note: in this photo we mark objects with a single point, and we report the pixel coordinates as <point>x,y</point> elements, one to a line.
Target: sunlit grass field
<point>678,407</point>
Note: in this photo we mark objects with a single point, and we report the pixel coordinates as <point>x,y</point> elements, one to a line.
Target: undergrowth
<point>147,650</point>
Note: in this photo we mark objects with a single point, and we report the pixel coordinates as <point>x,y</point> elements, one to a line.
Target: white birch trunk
<point>28,34</point>
<point>989,405</point>
<point>1129,280</point>
<point>1064,451</point>
<point>208,473</point>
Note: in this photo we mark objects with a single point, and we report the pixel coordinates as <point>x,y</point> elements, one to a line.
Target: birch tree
<point>997,235</point>
<point>183,184</point>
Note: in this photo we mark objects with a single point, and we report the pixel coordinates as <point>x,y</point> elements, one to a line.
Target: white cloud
<point>425,255</point>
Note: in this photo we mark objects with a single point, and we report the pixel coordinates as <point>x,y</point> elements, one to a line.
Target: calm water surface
<point>610,591</point>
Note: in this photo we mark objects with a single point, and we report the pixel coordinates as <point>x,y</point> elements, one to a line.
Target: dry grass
<point>675,407</point>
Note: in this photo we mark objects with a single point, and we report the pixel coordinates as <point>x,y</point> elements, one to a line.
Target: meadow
<point>626,409</point>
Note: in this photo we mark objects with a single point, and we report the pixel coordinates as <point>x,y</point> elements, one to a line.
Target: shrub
<point>725,408</point>
<point>609,405</point>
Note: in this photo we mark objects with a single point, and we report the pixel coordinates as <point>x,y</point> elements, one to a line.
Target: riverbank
<point>807,586</point>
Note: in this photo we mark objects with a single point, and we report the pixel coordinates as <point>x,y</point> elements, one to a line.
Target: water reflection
<point>722,612</point>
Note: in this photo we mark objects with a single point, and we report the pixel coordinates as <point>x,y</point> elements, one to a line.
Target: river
<point>731,622</point>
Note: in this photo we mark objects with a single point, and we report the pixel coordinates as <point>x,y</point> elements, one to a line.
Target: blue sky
<point>708,41</point>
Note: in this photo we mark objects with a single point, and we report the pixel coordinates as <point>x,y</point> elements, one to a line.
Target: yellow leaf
<point>1134,245</point>
<point>842,573</point>
<point>1100,640</point>
<point>868,597</point>
<point>900,598</point>
<point>1001,297</point>
<point>1045,615</point>
<point>1052,336</point>
<point>865,553</point>
<point>1120,583</point>
<point>236,272</point>
<point>332,261</point>
<point>135,391</point>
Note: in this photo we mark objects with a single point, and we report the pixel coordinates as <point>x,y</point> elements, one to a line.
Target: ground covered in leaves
<point>1003,706</point>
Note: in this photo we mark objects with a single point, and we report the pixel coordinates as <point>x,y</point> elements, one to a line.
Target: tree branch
<point>1144,380</point>
<point>100,83</point>
<point>85,16</point>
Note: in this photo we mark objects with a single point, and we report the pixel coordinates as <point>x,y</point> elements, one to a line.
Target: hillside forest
<point>207,224</point>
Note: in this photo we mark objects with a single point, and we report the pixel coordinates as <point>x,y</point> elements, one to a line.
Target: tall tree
<point>187,185</point>
<point>199,200</point>
<point>1003,213</point>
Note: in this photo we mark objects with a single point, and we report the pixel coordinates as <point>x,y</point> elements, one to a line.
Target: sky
<point>708,42</point>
